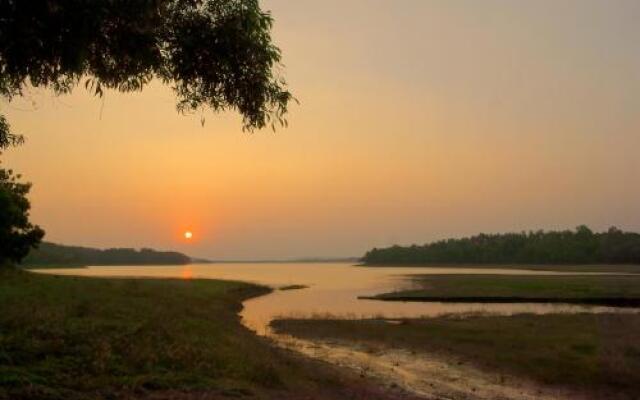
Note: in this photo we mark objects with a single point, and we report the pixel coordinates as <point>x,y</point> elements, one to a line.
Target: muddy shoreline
<point>406,373</point>
<point>608,302</point>
<point>427,377</point>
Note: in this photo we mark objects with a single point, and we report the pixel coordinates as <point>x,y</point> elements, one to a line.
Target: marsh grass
<point>611,290</point>
<point>82,338</point>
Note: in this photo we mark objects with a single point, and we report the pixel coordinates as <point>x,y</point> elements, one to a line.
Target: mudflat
<point>586,355</point>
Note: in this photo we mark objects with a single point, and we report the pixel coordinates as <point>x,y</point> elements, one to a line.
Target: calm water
<point>333,290</point>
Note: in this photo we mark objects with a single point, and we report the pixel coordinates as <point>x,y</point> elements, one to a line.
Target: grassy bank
<point>596,355</point>
<point>600,268</point>
<point>79,338</point>
<point>601,290</point>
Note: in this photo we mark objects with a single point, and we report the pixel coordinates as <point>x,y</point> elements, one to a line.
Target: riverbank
<point>591,356</point>
<point>606,290</point>
<point>573,268</point>
<point>84,338</point>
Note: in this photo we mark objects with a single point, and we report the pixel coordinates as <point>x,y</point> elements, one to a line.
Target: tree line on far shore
<point>50,254</point>
<point>580,246</point>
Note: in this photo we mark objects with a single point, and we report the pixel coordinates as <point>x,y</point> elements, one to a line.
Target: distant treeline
<point>50,254</point>
<point>581,246</point>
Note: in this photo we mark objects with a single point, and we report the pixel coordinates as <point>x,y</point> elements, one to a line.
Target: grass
<point>594,354</point>
<point>602,290</point>
<point>606,268</point>
<point>82,338</point>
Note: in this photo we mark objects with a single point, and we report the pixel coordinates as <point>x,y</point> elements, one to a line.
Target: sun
<point>188,235</point>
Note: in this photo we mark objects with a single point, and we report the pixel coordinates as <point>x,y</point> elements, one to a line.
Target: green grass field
<point>595,355</point>
<point>81,338</point>
<point>603,290</point>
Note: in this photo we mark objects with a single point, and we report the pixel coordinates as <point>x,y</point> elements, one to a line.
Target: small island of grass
<point>293,287</point>
<point>606,290</point>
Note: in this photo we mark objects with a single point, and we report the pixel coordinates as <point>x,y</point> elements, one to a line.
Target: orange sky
<point>418,120</point>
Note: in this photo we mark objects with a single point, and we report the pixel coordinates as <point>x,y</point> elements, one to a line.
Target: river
<point>332,289</point>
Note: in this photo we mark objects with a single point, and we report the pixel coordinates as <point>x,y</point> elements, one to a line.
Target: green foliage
<point>581,246</point>
<point>65,338</point>
<point>214,53</point>
<point>7,138</point>
<point>50,254</point>
<point>17,234</point>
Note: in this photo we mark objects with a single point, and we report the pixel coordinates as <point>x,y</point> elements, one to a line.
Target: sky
<point>418,120</point>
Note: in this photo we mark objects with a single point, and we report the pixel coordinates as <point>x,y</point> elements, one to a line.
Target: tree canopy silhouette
<point>17,234</point>
<point>213,53</point>
<point>581,246</point>
<point>51,254</point>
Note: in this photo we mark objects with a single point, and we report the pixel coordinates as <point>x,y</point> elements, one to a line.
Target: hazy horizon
<point>419,120</point>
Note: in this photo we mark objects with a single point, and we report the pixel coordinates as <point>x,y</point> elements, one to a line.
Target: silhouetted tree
<point>6,137</point>
<point>214,53</point>
<point>17,234</point>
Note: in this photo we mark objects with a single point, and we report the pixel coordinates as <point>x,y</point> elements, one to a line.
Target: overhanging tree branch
<point>215,54</point>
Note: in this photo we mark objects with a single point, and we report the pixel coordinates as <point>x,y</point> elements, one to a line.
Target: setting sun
<point>188,235</point>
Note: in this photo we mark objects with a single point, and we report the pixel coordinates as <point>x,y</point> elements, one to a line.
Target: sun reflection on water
<point>187,272</point>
